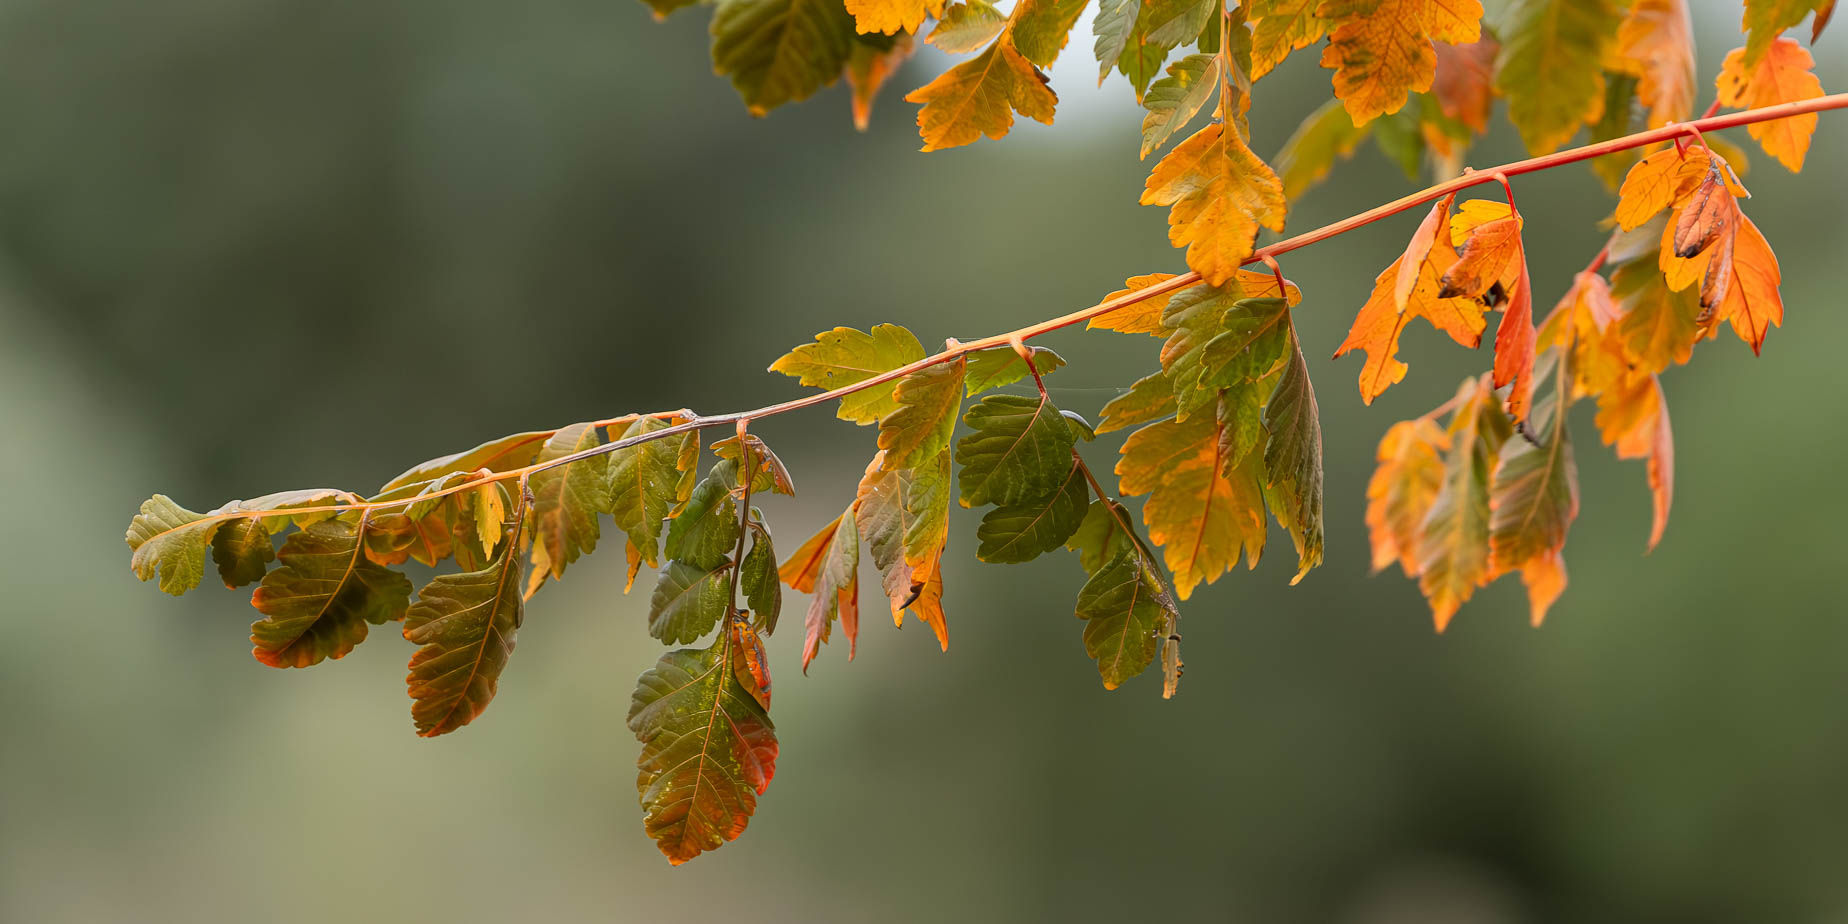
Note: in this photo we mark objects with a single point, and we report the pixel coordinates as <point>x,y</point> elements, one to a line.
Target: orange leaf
<point>1783,75</point>
<point>1381,321</point>
<point>1143,317</point>
<point>1383,54</point>
<point>1752,302</point>
<point>1656,45</point>
<point>1633,417</point>
<point>1400,493</point>
<point>867,70</point>
<point>1220,193</point>
<point>1514,346</point>
<point>1545,577</point>
<point>980,96</point>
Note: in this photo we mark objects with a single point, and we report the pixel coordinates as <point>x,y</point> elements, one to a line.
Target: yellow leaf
<point>1220,193</point>
<point>890,16</point>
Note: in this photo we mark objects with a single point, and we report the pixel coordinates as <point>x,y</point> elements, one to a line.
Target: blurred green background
<point>248,245</point>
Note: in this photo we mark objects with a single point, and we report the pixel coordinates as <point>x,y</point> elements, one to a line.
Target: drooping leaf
<point>1784,73</point>
<point>1658,326</point>
<point>1766,19</point>
<point>1464,84</point>
<point>1381,321</point>
<point>1219,194</point>
<point>844,356</point>
<point>242,550</point>
<point>869,66</point>
<point>1293,459</point>
<point>705,532</point>
<point>929,401</point>
<point>768,473</point>
<point>757,577</point>
<point>1204,511</point>
<point>708,750</point>
<point>643,486</point>
<point>1115,21</point>
<point>320,601</point>
<point>504,454</point>
<point>172,542</point>
<point>1280,27</point>
<point>1001,367</point>
<point>828,567</point>
<point>1042,27</point>
<point>1655,44</point>
<point>567,499</point>
<point>903,513</point>
<point>1021,449</point>
<point>465,624</point>
<point>1410,472</point>
<point>1101,535</point>
<point>1173,100</point>
<point>1454,538</point>
<point>1533,498</point>
<point>1123,620</point>
<point>980,96</point>
<point>1022,532</point>
<point>1381,50</point>
<point>688,601</point>
<point>1551,66</point>
<point>780,51</point>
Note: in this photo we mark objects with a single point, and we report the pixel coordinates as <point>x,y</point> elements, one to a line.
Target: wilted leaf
<point>1656,45</point>
<point>1328,134</point>
<point>1293,459</point>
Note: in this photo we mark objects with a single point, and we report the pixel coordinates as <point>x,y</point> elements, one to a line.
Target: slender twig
<point>1264,254</point>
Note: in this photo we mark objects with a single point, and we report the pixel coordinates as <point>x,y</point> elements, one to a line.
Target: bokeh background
<point>248,245</point>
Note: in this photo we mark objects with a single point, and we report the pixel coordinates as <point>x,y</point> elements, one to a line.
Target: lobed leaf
<point>980,96</point>
<point>1784,73</point>
<point>1219,194</point>
<point>1381,50</point>
<point>844,356</point>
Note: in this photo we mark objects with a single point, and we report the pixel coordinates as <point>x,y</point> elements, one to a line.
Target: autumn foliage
<point>1223,436</point>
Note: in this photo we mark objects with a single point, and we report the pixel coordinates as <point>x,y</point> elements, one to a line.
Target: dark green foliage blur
<point>248,245</point>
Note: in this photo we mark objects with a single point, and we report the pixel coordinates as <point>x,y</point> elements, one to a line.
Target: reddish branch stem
<point>1266,255</point>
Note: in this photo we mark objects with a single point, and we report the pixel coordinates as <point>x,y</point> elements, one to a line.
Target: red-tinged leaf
<point>868,69</point>
<point>466,625</point>
<point>828,567</point>
<point>1219,194</point>
<point>1410,472</point>
<point>1751,302</point>
<point>1381,50</point>
<point>1514,346</point>
<point>708,750</point>
<point>1545,577</point>
<point>750,661</point>
<point>768,473</point>
<point>1464,82</point>
<point>803,568</point>
<point>1633,417</point>
<point>1412,262</point>
<point>1203,510</point>
<point>1454,537</point>
<point>322,599</point>
<point>1655,44</point>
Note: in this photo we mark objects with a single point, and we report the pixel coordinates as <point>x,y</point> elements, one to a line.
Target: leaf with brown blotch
<point>1204,511</point>
<point>1463,84</point>
<point>929,401</point>
<point>465,624</point>
<point>1381,50</point>
<point>868,68</point>
<point>322,599</point>
<point>1655,44</point>
<point>1219,194</point>
<point>1453,543</point>
<point>1410,472</point>
<point>1785,74</point>
<point>980,96</point>
<point>750,661</point>
<point>708,749</point>
<point>1489,256</point>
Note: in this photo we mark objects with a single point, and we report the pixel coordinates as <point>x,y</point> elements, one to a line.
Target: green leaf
<point>708,750</point>
<point>1021,448</point>
<point>170,541</point>
<point>1765,19</point>
<point>843,356</point>
<point>1533,494</point>
<point>1293,460</point>
<point>1001,367</point>
<point>705,532</point>
<point>568,499</point>
<point>688,601</point>
<point>465,624</point>
<point>1169,23</point>
<point>242,550</point>
<point>1022,532</point>
<point>1151,398</point>
<point>928,402</point>
<point>1114,22</point>
<point>1621,117</point>
<point>642,487</point>
<point>1173,100</point>
<point>1253,339</point>
<point>780,51</point>
<point>1550,65</point>
<point>504,454</point>
<point>1123,620</point>
<point>318,604</point>
<point>1042,27</point>
<point>1101,536</point>
<point>1327,135</point>
<point>966,27</point>
<point>1399,136</point>
<point>758,578</point>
